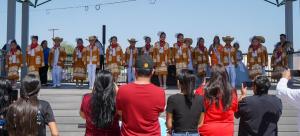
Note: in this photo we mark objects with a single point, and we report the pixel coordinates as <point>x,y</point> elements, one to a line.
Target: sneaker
<point>54,86</point>
<point>77,86</point>
<point>165,87</point>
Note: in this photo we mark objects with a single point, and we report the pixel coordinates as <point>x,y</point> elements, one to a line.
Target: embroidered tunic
<point>161,54</point>
<point>201,60</point>
<point>180,54</point>
<point>279,62</point>
<point>13,64</point>
<point>255,60</point>
<point>228,56</point>
<point>61,57</point>
<point>34,58</point>
<point>114,59</point>
<point>215,54</point>
<point>79,67</point>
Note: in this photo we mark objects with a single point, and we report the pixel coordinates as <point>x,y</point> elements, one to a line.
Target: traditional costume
<point>180,55</point>
<point>114,57</point>
<point>79,68</point>
<point>57,57</point>
<point>262,40</point>
<point>148,48</point>
<point>241,70</point>
<point>13,64</point>
<point>130,57</point>
<point>279,62</point>
<point>255,60</point>
<point>229,59</point>
<point>191,53</point>
<point>201,60</point>
<point>34,58</point>
<point>92,60</point>
<point>215,52</point>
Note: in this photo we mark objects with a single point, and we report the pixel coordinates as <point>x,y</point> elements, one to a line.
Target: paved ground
<point>66,103</point>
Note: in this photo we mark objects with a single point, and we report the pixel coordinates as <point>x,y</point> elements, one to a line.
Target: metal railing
<point>68,69</point>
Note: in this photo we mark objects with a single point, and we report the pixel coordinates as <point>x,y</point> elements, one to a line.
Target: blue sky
<point>195,18</point>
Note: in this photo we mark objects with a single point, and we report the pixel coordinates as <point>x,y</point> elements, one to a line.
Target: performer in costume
<point>114,57</point>
<point>201,59</point>
<point>180,53</point>
<point>188,42</point>
<point>161,59</point>
<point>262,40</point>
<point>130,57</point>
<point>13,63</point>
<point>79,68</point>
<point>241,70</point>
<point>92,60</point>
<point>57,58</point>
<point>279,62</point>
<point>148,48</point>
<point>286,45</point>
<point>255,58</point>
<point>34,56</point>
<point>215,51</point>
<point>229,59</point>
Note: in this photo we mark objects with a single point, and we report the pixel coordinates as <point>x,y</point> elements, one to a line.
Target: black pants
<point>44,74</point>
<point>101,62</point>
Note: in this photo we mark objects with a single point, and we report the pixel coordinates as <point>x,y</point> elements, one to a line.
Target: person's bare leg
<point>165,81</point>
<point>160,80</point>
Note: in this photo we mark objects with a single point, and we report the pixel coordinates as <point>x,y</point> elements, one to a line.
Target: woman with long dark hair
<point>28,116</point>
<point>5,101</point>
<point>98,107</point>
<point>185,111</point>
<point>220,100</point>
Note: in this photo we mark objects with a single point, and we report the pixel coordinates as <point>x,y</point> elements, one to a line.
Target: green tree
<point>68,47</point>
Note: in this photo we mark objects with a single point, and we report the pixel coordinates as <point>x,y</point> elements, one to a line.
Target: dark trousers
<point>101,62</point>
<point>44,74</point>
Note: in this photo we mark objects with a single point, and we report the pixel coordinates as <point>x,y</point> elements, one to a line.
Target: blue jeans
<point>185,134</point>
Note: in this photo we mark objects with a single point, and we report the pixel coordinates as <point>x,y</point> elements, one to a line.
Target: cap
<point>144,62</point>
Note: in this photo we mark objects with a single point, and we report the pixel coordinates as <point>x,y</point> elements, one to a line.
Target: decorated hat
<point>144,62</point>
<point>57,39</point>
<point>227,38</point>
<point>261,39</point>
<point>132,40</point>
<point>92,38</point>
<point>189,40</point>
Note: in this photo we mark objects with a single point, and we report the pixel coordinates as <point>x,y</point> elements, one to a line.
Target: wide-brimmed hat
<point>132,40</point>
<point>227,38</point>
<point>57,39</point>
<point>261,39</point>
<point>189,40</point>
<point>92,38</point>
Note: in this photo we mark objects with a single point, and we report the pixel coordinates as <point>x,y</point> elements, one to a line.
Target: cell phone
<point>295,73</point>
<point>248,84</point>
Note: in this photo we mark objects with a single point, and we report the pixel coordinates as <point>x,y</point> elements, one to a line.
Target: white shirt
<point>56,57</point>
<point>292,96</point>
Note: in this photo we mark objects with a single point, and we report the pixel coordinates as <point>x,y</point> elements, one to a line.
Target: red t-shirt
<point>91,129</point>
<point>140,106</point>
<point>216,119</point>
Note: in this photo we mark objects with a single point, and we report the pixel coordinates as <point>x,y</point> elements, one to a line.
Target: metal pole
<point>289,26</point>
<point>53,31</point>
<point>11,20</point>
<point>25,35</point>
